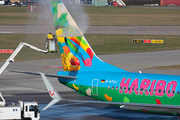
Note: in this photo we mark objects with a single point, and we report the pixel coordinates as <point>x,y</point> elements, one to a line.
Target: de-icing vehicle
<point>22,110</point>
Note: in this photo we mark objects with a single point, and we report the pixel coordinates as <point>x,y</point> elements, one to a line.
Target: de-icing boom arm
<point>13,55</point>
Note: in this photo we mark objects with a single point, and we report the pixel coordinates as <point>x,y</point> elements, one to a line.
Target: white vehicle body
<point>2,2</point>
<point>26,110</point>
<point>10,113</point>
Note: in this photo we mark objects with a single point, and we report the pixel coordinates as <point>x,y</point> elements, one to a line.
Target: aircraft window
<point>129,89</point>
<point>159,90</point>
<point>112,87</point>
<point>145,90</point>
<point>124,88</point>
<point>149,90</point>
<point>154,90</point>
<point>121,88</point>
<point>133,89</point>
<point>141,89</point>
<point>178,92</point>
<point>168,91</point>
<point>164,91</point>
<point>116,87</point>
<point>173,92</point>
<point>136,89</point>
<point>108,87</point>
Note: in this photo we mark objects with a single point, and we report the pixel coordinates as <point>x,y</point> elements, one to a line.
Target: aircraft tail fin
<point>76,53</point>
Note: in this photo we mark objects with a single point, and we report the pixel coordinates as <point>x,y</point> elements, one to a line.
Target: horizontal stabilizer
<point>49,75</point>
<point>52,92</point>
<point>54,101</point>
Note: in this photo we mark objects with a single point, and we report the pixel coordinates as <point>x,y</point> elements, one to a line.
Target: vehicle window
<point>32,108</point>
<point>26,108</point>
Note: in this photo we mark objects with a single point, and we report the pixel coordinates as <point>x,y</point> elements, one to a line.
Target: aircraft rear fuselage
<point>127,87</point>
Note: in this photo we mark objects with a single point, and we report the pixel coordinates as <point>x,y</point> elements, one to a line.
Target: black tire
<point>26,119</point>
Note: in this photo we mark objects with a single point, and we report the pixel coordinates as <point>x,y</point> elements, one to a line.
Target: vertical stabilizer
<point>76,53</point>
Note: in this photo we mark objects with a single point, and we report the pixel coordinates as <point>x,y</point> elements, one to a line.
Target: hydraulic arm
<point>13,55</point>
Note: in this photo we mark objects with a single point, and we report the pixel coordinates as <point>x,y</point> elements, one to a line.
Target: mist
<point>78,14</point>
<point>76,11</point>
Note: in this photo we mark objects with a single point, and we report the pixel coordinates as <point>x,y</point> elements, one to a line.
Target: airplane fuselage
<point>127,87</point>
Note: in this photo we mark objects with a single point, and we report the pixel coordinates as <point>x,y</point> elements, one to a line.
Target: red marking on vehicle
<point>51,93</point>
<point>158,101</point>
<point>6,51</point>
<point>144,110</point>
<point>52,67</point>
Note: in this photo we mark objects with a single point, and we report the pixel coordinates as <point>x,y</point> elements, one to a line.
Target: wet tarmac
<point>82,111</point>
<point>78,111</point>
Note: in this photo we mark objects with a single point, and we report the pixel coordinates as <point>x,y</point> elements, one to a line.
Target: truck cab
<point>31,111</point>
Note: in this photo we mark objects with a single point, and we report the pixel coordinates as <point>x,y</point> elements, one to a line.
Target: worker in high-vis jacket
<point>50,43</point>
<point>50,36</point>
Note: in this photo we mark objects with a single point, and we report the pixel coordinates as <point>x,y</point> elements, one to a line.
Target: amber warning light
<point>6,51</point>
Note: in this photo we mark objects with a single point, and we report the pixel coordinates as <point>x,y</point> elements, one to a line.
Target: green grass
<point>11,41</point>
<point>103,44</point>
<point>21,16</point>
<point>166,67</point>
<point>132,16</point>
<point>97,16</point>
<point>108,44</point>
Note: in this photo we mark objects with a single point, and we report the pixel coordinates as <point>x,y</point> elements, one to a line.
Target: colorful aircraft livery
<point>75,51</point>
<point>160,89</point>
<point>153,93</point>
